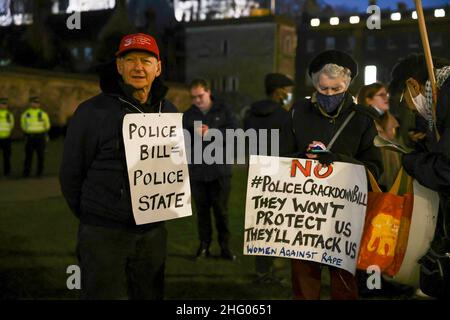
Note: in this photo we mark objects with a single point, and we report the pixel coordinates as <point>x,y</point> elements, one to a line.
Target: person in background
<point>35,124</point>
<point>6,126</point>
<point>270,114</point>
<point>429,163</point>
<point>210,182</point>
<point>375,95</point>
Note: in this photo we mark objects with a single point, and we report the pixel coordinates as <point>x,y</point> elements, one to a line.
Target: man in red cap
<point>118,259</point>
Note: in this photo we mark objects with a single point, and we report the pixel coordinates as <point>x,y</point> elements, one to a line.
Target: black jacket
<point>354,145</point>
<point>266,114</point>
<point>93,174</point>
<point>431,168</point>
<point>218,117</point>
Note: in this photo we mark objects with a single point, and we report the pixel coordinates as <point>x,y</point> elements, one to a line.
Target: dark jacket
<point>431,168</point>
<point>218,117</point>
<point>354,145</point>
<point>93,174</point>
<point>266,114</point>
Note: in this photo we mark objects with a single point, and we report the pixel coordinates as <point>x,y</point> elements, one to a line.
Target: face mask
<point>420,102</point>
<point>330,103</point>
<point>380,112</point>
<point>288,99</point>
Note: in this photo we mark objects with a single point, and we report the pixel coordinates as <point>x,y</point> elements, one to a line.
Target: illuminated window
<point>439,13</point>
<point>414,15</point>
<point>370,74</point>
<point>334,21</point>
<point>396,16</point>
<point>315,22</point>
<point>354,19</point>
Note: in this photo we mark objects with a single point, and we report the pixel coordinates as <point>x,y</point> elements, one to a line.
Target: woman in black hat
<point>313,123</point>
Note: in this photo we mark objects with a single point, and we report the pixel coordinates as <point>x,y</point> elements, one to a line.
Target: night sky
<point>361,5</point>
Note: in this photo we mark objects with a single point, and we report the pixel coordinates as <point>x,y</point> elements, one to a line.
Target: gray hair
<point>333,71</point>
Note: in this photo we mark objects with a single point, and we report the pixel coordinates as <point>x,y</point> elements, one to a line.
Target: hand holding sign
<point>304,213</point>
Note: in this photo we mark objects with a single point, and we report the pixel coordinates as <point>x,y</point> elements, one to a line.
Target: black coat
<point>354,145</point>
<point>219,117</point>
<point>431,168</point>
<point>93,174</point>
<point>266,114</point>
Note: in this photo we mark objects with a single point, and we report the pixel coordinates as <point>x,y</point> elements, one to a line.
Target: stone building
<point>236,54</point>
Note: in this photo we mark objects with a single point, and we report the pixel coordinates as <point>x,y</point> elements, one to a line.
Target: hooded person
<point>313,122</point>
<point>429,163</point>
<point>269,114</point>
<point>118,258</point>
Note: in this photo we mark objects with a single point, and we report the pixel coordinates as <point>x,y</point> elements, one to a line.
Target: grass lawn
<point>38,235</point>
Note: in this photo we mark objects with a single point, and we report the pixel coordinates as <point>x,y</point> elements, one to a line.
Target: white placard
<point>294,210</point>
<point>157,166</point>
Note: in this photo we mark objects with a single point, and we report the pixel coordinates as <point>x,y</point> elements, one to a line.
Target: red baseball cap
<point>138,41</point>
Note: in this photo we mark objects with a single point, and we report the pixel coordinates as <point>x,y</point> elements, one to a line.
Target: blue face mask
<point>330,103</point>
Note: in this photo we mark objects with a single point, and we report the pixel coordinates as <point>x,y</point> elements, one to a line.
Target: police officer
<point>6,126</point>
<point>35,124</point>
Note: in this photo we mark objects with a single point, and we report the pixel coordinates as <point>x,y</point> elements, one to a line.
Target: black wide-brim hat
<point>336,57</point>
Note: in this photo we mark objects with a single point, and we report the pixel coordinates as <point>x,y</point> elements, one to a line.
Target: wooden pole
<point>428,57</point>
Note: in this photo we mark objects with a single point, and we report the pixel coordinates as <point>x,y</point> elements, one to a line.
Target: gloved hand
<point>327,158</point>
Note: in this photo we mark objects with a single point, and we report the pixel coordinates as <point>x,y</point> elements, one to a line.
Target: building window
<point>413,41</point>
<point>436,40</point>
<point>391,45</point>
<point>75,52</point>
<point>370,74</point>
<point>330,43</point>
<point>315,22</point>
<point>351,43</point>
<point>225,47</point>
<point>310,45</point>
<point>88,54</point>
<point>370,44</point>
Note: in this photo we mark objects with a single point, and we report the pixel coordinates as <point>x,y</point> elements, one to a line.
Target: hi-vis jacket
<point>6,123</point>
<point>34,120</point>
